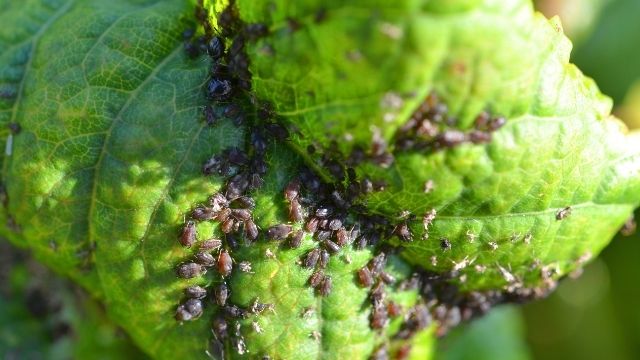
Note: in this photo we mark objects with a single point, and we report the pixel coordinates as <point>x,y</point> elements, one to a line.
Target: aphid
<point>365,277</point>
<point>335,224</point>
<point>471,236</point>
<point>496,123</point>
<point>211,244</point>
<point>193,307</point>
<point>312,258</point>
<point>190,270</point>
<point>234,311</point>
<point>508,277</point>
<point>323,212</point>
<point>223,215</point>
<point>292,191</point>
<point>215,47</point>
<point>326,286</point>
<point>279,232</point>
<point>218,202</point>
<point>393,309</point>
<point>324,259</point>
<point>237,186</point>
<point>244,266</point>
<point>225,263</point>
<point>277,131</point>
<point>387,278</point>
<point>188,33</point>
<point>564,213</point>
<point>428,218</point>
<point>429,185</point>
<point>188,235</point>
<point>255,181</point>
<point>323,235</point>
<point>203,213</point>
<point>479,137</point>
<point>221,294</point>
<point>220,328</point>
<point>403,232</point>
<point>342,237</point>
<point>445,244</point>
<point>492,245</point>
<point>312,225</point>
<point>450,138</point>
<point>379,316</point>
<point>377,292</point>
<point>331,246</point>
<point>296,239</point>
<point>243,202</point>
<point>527,238</point>
<point>251,229</point>
<point>377,263</point>
<point>307,313</point>
<point>191,50</point>
<point>404,352</point>
<point>295,211</point>
<point>209,115</point>
<point>218,89</point>
<point>239,344</point>
<point>316,278</point>
<point>258,308</point>
<point>241,214</point>
<point>205,259</point>
<point>227,226</point>
<point>195,292</point>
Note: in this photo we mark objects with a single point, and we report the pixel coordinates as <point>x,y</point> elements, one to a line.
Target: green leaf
<point>558,149</point>
<point>108,162</point>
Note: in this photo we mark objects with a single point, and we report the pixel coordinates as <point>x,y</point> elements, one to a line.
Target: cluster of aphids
<point>431,128</point>
<point>374,277</point>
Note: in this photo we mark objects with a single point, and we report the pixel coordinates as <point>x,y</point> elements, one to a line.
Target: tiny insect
<point>239,344</point>
<point>316,335</point>
<point>323,212</point>
<point>323,235</point>
<point>215,48</point>
<point>211,244</point>
<point>564,213</point>
<point>393,309</point>
<point>205,259</point>
<point>190,270</point>
<point>225,263</point>
<point>428,187</point>
<point>379,317</point>
<point>292,191</point>
<point>312,258</point>
<point>307,313</point>
<point>243,202</point>
<point>296,239</point>
<point>220,328</point>
<point>295,211</point>
<point>479,137</point>
<point>496,123</point>
<point>269,254</point>
<point>325,286</point>
<point>223,215</point>
<point>316,278</point>
<point>527,238</point>
<point>221,294</point>
<point>387,278</point>
<point>377,263</point>
<point>256,327</point>
<point>189,310</point>
<point>258,308</point>
<point>245,266</point>
<point>365,277</point>
<point>331,246</point>
<point>209,115</point>
<point>188,235</point>
<point>381,353</point>
<point>218,89</point>
<point>234,311</point>
<point>251,229</point>
<point>241,214</point>
<point>445,244</point>
<point>324,259</point>
<point>403,232</point>
<point>279,232</point>
<point>342,237</point>
<point>312,225</point>
<point>492,245</point>
<point>195,292</point>
<point>227,225</point>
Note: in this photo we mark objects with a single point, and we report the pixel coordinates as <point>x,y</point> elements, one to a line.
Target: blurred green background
<point>594,317</point>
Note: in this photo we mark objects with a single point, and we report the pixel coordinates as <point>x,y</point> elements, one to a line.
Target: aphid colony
<point>431,128</point>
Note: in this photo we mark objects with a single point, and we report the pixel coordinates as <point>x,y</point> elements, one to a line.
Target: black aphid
<point>218,89</point>
<point>342,237</point>
<point>204,259</point>
<point>292,190</point>
<point>234,311</point>
<point>377,263</point>
<point>316,278</point>
<point>404,232</point>
<point>188,234</point>
<point>203,213</point>
<point>251,229</point>
<point>331,246</point>
<point>189,310</point>
<point>195,292</point>
<point>387,278</point>
<point>209,115</point>
<point>215,48</point>
<point>445,244</point>
<point>326,286</point>
<point>221,294</point>
<point>244,202</point>
<point>220,328</point>
<point>190,270</point>
<point>365,278</point>
<point>279,232</point>
<point>227,226</point>
<point>312,258</point>
<point>324,259</point>
<point>379,315</point>
<point>295,239</point>
<point>211,244</point>
<point>241,214</point>
<point>564,213</point>
<point>295,211</point>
